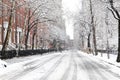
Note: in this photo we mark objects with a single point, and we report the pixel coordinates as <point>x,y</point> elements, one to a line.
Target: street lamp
<point>19,31</point>
<point>5,25</point>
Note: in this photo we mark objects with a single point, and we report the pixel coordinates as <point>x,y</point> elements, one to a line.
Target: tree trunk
<point>118,56</point>
<point>28,30</point>
<point>33,39</point>
<point>5,44</point>
<point>16,37</point>
<point>2,24</point>
<point>83,42</point>
<point>36,42</point>
<point>88,42</point>
<point>93,28</point>
<point>26,39</point>
<point>94,40</point>
<point>116,15</point>
<point>108,49</point>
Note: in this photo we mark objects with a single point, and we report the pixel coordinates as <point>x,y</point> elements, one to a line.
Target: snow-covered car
<point>3,64</point>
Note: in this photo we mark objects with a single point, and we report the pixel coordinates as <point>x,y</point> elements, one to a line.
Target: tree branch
<point>113,13</point>
<point>117,13</point>
<point>35,21</point>
<point>40,22</point>
<point>36,9</point>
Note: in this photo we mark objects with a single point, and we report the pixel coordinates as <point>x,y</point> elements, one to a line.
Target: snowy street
<point>59,39</point>
<point>67,65</point>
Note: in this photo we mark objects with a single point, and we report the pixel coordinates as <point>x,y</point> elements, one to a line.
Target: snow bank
<point>17,65</point>
<point>13,68</point>
<point>111,63</point>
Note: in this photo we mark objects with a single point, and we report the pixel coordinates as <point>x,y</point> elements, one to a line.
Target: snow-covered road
<point>68,65</point>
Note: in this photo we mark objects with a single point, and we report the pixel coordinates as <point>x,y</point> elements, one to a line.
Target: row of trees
<point>36,12</point>
<point>98,21</point>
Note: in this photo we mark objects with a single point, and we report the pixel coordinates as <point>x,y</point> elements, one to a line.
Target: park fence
<point>17,53</point>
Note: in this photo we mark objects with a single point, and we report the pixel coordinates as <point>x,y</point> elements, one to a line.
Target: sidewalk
<point>111,63</point>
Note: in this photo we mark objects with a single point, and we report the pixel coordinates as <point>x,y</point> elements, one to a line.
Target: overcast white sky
<point>70,7</point>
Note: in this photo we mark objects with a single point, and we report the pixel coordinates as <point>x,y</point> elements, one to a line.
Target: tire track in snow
<point>107,73</point>
<point>81,69</point>
<point>30,69</point>
<point>67,71</point>
<point>74,77</point>
<point>96,75</point>
<point>51,70</point>
<point>92,71</point>
<point>96,71</point>
<point>103,71</point>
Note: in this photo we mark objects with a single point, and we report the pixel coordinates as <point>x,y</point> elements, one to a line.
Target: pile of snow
<point>16,68</point>
<point>19,65</point>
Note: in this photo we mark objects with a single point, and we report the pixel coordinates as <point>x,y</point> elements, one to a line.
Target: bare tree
<point>33,37</point>
<point>6,41</point>
<point>41,13</point>
<point>116,15</point>
<point>93,28</point>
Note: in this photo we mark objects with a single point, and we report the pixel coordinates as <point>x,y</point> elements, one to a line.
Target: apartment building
<point>17,35</point>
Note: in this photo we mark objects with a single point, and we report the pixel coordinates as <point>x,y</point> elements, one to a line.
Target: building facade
<point>16,38</point>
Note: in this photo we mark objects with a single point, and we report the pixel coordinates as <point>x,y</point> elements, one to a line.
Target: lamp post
<point>5,26</point>
<point>19,31</point>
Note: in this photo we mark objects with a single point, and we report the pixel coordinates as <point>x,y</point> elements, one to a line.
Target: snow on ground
<point>115,67</point>
<point>25,58</point>
<point>55,66</point>
<point>17,64</point>
<point>66,65</point>
<point>111,62</point>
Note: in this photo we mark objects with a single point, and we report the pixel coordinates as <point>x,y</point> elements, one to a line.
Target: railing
<point>110,51</point>
<point>13,53</point>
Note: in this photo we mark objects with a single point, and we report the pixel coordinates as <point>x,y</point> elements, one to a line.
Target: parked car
<point>3,64</point>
